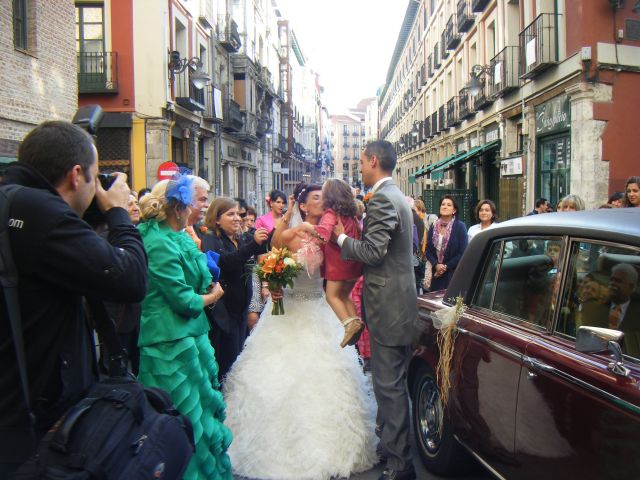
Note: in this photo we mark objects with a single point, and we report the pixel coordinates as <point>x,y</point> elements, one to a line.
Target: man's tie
<point>614,317</point>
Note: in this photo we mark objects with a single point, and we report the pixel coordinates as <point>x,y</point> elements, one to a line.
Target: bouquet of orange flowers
<point>278,268</point>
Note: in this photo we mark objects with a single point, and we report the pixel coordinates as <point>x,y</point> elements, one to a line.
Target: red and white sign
<point>167,170</point>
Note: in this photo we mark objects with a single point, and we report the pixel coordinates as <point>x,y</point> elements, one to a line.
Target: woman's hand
<point>292,202</point>
<point>261,235</point>
<point>264,293</point>
<point>441,269</point>
<point>276,294</point>
<point>214,294</point>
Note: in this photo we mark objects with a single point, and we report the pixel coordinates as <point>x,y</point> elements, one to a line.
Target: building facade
<point>513,100</point>
<point>38,73</point>
<point>218,88</point>
<point>347,137</point>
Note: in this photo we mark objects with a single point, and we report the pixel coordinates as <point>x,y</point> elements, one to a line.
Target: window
<point>20,24</point>
<point>602,291</point>
<point>90,46</point>
<point>527,281</point>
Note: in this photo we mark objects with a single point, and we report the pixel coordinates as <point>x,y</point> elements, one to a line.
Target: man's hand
<point>261,235</point>
<point>337,231</point>
<point>116,196</point>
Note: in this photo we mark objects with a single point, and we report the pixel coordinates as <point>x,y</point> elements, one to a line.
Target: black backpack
<point>120,430</point>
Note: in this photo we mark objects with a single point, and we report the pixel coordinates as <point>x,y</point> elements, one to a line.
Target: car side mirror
<point>599,340</point>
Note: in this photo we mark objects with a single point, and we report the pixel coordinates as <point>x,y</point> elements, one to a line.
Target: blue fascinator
<point>212,263</point>
<point>180,189</point>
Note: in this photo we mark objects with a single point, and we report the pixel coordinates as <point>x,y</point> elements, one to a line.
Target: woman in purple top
<point>277,202</point>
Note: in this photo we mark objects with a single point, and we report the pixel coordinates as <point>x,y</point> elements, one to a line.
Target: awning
<point>452,160</point>
<point>419,173</point>
<point>468,156</point>
<point>428,168</point>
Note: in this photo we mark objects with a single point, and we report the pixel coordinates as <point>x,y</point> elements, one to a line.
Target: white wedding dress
<point>299,406</point>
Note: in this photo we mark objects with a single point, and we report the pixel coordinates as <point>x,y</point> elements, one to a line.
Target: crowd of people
<point>176,272</point>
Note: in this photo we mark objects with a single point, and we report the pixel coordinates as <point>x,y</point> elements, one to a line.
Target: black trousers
<point>228,344</point>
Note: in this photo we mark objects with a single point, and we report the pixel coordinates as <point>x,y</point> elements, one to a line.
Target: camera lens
<point>106,180</point>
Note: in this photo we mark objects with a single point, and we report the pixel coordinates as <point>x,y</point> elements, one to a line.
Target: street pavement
<point>421,473</point>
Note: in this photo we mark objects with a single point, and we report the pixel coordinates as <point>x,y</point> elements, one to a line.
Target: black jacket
<point>60,259</point>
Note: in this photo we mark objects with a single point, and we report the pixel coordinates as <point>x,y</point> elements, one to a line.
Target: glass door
<point>554,167</point>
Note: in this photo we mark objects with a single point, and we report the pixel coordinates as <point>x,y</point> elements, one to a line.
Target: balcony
<point>233,119</point>
<point>538,45</point>
<point>186,95</point>
<point>430,65</point>
<point>436,57</point>
<point>345,145</point>
<point>423,74</point>
<point>434,123</point>
<point>453,117</point>
<point>503,70</point>
<point>444,53</point>
<point>227,33</point>
<point>355,133</point>
<point>484,98</point>
<point>98,72</point>
<point>464,100</point>
<point>478,6</point>
<point>281,143</point>
<point>465,16</point>
<point>263,124</point>
<point>442,119</point>
<point>213,106</point>
<point>427,128</point>
<point>452,36</point>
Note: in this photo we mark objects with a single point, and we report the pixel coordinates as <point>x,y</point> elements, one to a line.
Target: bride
<point>298,405</point>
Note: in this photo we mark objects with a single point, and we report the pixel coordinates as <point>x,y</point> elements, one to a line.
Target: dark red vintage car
<point>545,377</point>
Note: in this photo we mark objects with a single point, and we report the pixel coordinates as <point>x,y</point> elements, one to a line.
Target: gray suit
<point>390,310</point>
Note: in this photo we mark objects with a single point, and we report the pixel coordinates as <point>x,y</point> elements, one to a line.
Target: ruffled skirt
<point>188,371</point>
<point>299,406</point>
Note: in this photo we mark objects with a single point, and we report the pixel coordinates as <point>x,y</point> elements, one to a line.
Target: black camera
<point>106,180</point>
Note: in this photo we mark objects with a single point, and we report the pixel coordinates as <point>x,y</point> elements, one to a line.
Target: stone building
<point>513,100</point>
<point>38,74</point>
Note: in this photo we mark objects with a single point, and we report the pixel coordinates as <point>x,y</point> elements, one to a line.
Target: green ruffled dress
<point>175,352</point>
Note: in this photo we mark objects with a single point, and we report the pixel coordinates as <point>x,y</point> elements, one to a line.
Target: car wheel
<point>438,449</point>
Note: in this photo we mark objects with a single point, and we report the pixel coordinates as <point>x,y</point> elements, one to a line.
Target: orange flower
<point>269,264</point>
<point>367,197</point>
<point>203,229</point>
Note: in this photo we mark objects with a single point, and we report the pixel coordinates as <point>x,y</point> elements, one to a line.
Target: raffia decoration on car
<point>446,321</point>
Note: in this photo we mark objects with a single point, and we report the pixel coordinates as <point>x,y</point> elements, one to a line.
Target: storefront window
<point>555,168</point>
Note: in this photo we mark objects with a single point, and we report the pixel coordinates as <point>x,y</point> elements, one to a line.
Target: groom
<point>389,300</point>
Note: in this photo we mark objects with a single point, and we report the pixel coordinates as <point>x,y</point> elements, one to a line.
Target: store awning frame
<point>470,155</point>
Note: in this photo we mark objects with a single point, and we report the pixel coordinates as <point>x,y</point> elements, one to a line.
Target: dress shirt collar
<point>377,185</point>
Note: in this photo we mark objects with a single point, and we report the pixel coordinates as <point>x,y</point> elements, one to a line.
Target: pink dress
<point>364,348</point>
<point>335,268</point>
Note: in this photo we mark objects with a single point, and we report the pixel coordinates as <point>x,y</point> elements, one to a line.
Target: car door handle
<point>535,364</point>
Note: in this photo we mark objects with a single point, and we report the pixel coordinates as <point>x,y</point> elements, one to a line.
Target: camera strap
<point>9,282</point>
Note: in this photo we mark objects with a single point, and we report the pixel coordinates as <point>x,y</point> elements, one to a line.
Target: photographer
<point>60,259</point>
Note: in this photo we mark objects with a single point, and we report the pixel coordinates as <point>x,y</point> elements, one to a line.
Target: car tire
<point>439,451</point>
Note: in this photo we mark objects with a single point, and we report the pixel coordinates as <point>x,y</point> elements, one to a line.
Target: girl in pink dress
<point>341,275</point>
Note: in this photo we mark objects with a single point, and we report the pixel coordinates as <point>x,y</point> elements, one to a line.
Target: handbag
<point>120,430</point>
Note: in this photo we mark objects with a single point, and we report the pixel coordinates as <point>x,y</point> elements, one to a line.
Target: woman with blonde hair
<point>572,203</point>
<point>175,353</point>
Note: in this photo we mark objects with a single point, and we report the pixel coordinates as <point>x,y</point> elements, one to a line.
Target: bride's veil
<point>296,216</point>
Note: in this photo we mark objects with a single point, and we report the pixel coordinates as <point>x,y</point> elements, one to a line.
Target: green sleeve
<point>166,271</point>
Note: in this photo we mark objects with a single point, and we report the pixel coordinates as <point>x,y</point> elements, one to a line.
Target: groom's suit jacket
<point>389,291</point>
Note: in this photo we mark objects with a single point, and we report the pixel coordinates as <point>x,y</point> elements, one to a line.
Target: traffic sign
<point>167,170</point>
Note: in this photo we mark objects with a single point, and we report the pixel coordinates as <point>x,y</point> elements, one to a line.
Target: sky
<point>348,42</point>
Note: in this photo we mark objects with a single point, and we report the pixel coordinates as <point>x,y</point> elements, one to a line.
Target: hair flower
<point>180,189</point>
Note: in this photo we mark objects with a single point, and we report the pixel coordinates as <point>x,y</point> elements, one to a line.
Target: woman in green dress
<point>175,352</point>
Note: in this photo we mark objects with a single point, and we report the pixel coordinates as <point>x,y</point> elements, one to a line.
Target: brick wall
<point>40,83</point>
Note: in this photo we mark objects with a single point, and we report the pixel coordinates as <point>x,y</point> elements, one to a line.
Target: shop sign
<point>553,115</point>
<point>277,167</point>
<point>511,166</point>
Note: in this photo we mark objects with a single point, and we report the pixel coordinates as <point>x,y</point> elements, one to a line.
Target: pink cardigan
<point>334,267</point>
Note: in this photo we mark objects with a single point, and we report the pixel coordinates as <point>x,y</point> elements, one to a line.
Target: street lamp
<point>476,82</point>
<point>199,78</point>
<point>414,130</point>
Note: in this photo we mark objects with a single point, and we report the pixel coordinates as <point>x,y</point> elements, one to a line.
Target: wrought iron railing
<point>484,98</point>
<point>503,70</point>
<point>453,118</point>
<point>539,45</point>
<point>434,123</point>
<point>186,95</point>
<point>452,37</point>
<point>444,53</point>
<point>465,16</point>
<point>442,119</point>
<point>430,65</point>
<point>227,33</point>
<point>427,128</point>
<point>233,116</point>
<point>478,6</point>
<point>464,108</point>
<point>97,72</point>
<point>436,57</point>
